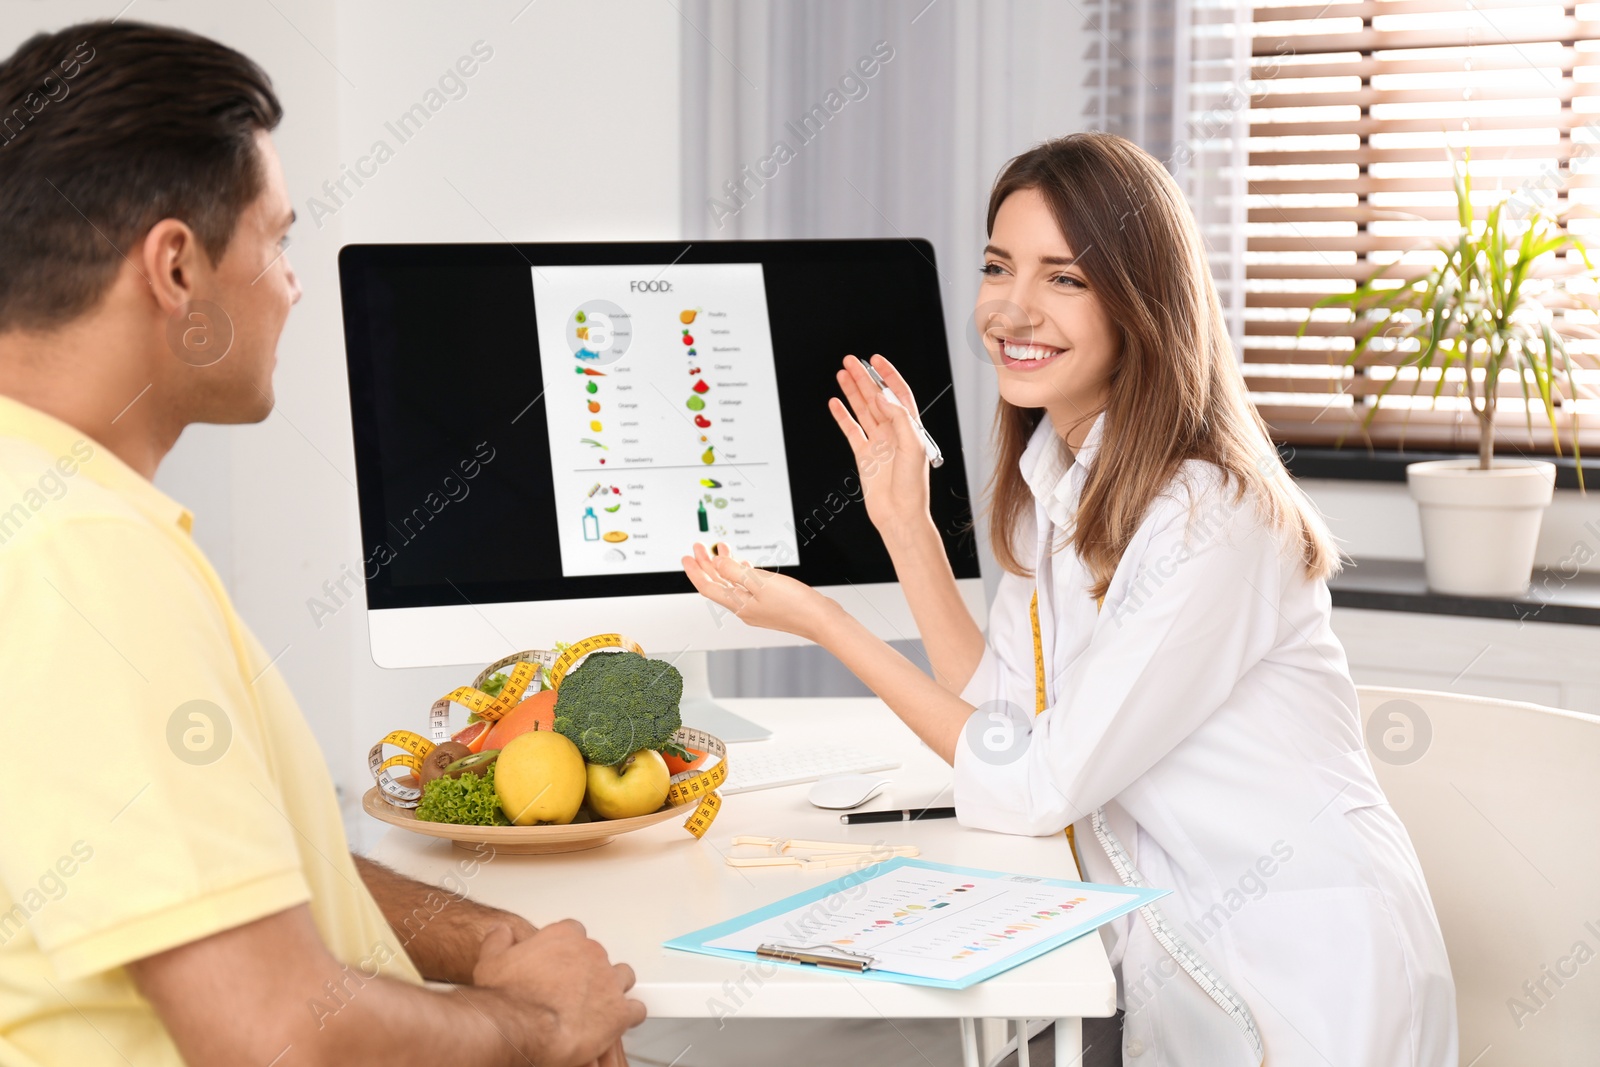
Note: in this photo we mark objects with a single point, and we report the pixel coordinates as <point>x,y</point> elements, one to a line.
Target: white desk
<point>657,883</point>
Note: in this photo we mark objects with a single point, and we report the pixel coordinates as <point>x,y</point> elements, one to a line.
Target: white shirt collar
<point>1045,466</point>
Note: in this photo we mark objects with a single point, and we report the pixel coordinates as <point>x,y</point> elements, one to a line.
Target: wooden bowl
<point>518,840</point>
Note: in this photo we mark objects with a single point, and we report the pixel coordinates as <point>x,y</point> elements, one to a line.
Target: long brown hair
<point>1175,392</point>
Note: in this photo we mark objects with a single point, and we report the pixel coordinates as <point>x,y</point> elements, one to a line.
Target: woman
<point>1196,723</point>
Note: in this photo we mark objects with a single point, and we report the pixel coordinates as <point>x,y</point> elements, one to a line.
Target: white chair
<point>1502,801</point>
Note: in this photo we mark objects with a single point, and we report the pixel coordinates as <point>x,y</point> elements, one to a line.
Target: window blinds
<point>1335,166</point>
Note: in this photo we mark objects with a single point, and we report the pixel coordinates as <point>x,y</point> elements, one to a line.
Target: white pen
<point>929,446</point>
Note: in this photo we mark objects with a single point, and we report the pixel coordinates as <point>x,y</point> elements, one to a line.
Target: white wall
<point>568,131</point>
<point>1378,520</point>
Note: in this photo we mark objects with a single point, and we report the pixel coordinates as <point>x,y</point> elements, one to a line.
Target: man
<point>175,884</point>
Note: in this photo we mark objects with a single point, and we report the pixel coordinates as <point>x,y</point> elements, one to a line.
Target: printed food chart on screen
<point>664,424</point>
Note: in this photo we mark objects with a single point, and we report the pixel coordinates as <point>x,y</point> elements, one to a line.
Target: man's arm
<point>440,929</point>
<point>270,992</point>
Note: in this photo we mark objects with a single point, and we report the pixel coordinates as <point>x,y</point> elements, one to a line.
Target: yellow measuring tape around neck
<point>526,668</point>
<point>1040,700</point>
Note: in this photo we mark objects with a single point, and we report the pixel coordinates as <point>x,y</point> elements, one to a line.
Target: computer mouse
<point>846,790</point>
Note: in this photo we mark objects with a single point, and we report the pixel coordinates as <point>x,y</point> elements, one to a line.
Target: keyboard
<point>766,765</point>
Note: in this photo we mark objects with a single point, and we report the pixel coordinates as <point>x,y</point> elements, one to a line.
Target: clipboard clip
<point>817,955</point>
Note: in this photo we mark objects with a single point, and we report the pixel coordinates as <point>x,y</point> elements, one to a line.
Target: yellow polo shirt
<point>159,782</point>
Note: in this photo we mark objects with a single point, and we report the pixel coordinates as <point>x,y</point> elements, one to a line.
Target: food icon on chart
<point>700,515</point>
<point>687,316</point>
<point>694,403</point>
<point>702,422</point>
<point>708,457</point>
<point>700,386</point>
<point>599,332</point>
<point>616,537</point>
<point>688,338</point>
<point>710,483</point>
<point>591,525</point>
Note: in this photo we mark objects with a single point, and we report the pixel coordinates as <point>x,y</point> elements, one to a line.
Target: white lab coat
<point>1208,707</point>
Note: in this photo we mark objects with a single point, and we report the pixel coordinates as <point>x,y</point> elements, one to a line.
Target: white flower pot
<point>1480,527</point>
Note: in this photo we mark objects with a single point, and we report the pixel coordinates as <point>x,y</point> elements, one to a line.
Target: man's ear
<point>172,260</point>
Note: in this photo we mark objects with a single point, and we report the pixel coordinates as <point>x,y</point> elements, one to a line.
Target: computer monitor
<point>542,431</point>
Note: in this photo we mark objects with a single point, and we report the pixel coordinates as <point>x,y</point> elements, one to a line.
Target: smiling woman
<point>1093,249</point>
<point>1160,675</point>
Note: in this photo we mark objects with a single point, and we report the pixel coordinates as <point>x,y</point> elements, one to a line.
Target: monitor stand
<point>701,711</point>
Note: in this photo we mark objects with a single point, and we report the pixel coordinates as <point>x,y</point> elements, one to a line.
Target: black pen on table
<point>902,815</point>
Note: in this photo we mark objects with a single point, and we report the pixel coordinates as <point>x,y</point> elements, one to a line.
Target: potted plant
<point>1478,312</point>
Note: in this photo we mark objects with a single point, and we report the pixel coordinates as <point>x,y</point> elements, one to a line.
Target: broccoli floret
<point>617,703</point>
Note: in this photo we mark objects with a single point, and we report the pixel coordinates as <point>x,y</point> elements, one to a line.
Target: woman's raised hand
<point>758,597</point>
<point>889,456</point>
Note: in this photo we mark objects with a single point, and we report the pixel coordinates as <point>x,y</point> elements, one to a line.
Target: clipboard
<point>919,923</point>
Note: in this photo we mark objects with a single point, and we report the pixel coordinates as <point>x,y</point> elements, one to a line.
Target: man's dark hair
<point>105,130</point>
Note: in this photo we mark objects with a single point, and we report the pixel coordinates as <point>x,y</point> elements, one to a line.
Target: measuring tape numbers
<point>702,784</point>
<point>415,748</point>
<point>573,655</point>
<point>488,708</point>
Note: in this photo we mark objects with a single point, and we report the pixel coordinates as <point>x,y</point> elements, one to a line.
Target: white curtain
<point>1173,76</point>
<point>959,87</point>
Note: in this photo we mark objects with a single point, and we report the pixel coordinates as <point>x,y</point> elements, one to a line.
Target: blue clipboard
<point>697,941</point>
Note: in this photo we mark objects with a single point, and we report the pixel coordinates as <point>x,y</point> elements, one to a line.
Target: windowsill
<point>1399,585</point>
<point>1355,464</point>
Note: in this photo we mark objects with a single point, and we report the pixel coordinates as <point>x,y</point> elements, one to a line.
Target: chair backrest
<point>1502,801</point>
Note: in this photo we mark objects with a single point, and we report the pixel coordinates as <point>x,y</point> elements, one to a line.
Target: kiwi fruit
<point>440,757</point>
<point>477,763</point>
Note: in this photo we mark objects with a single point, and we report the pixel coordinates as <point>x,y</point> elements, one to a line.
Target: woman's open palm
<point>889,458</point>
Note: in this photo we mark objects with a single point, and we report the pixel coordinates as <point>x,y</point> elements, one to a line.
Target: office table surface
<point>657,883</point>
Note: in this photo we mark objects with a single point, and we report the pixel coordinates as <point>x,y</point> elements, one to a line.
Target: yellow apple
<point>636,786</point>
<point>539,778</point>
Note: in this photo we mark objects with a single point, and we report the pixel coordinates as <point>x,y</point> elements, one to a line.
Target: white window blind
<point>1333,166</point>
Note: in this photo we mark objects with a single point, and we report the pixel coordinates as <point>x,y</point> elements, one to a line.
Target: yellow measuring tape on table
<point>526,670</point>
<point>689,785</point>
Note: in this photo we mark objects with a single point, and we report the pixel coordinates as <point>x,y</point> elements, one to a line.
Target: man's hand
<point>270,992</point>
<point>441,930</point>
<point>578,991</point>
